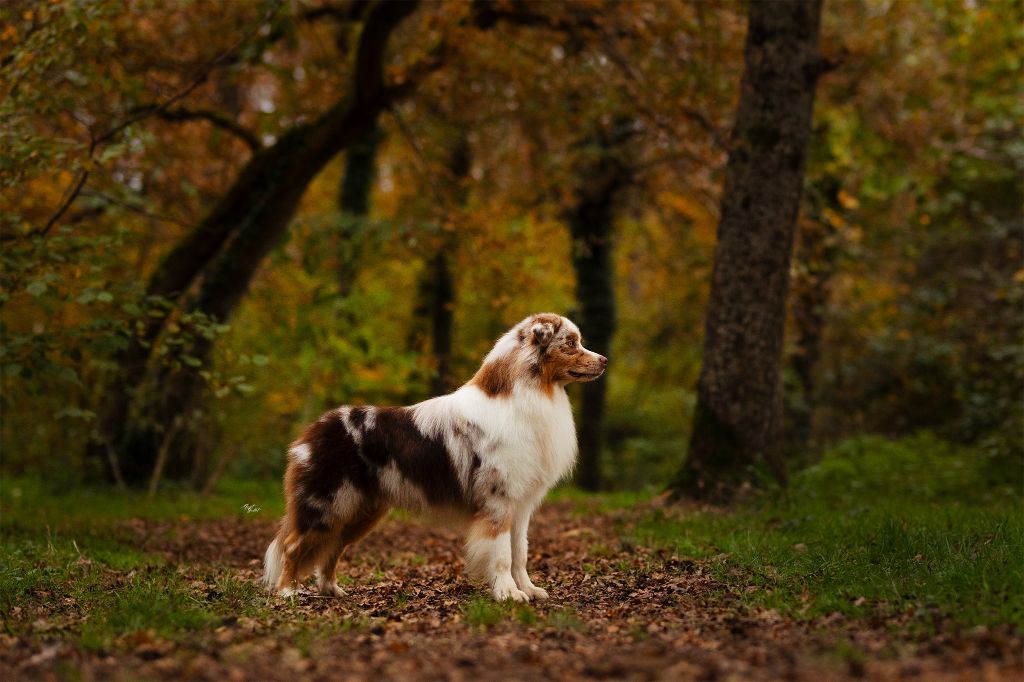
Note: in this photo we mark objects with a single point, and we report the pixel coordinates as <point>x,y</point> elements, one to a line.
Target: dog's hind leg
<point>344,534</point>
<point>301,554</point>
<point>326,570</point>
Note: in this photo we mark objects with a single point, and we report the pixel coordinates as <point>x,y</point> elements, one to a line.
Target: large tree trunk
<point>591,220</point>
<point>738,415</point>
<point>227,247</point>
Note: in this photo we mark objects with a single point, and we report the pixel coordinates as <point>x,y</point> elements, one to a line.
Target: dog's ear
<point>543,332</point>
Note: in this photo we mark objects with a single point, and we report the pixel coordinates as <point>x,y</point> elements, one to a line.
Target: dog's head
<point>545,350</point>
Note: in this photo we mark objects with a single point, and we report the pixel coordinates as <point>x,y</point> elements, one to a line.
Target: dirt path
<point>616,612</point>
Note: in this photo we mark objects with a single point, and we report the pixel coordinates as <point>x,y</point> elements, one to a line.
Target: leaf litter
<point>618,610</point>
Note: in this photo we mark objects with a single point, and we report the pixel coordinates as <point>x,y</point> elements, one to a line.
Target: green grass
<point>877,527</point>
<point>588,503</point>
<point>108,592</point>
<point>34,503</point>
<point>66,548</point>
<point>483,612</point>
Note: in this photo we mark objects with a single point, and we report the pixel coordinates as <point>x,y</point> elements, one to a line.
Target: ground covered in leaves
<point>183,602</point>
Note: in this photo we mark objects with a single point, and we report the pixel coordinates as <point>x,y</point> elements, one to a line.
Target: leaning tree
<point>145,421</point>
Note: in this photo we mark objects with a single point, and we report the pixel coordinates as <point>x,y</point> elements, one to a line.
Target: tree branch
<point>216,118</point>
<point>134,208</point>
<point>487,13</point>
<point>143,112</point>
<point>337,12</point>
<point>95,142</point>
<point>69,197</point>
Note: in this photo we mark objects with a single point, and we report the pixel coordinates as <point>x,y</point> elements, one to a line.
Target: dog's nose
<point>604,360</point>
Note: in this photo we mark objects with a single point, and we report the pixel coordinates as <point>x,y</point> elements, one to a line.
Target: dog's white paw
<point>331,590</point>
<point>504,590</point>
<point>534,592</point>
<point>285,592</point>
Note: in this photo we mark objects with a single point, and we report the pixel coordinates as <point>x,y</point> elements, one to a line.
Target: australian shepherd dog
<point>484,455</point>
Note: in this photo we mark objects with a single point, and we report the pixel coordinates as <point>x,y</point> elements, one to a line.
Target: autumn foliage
<point>127,126</point>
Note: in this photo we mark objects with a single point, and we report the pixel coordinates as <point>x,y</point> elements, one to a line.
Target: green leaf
<point>104,297</point>
<point>76,413</point>
<point>259,360</point>
<point>36,288</point>
<point>191,361</point>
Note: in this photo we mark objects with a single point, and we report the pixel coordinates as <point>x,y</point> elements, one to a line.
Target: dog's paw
<point>515,594</point>
<point>331,590</point>
<point>506,589</point>
<point>534,592</point>
<point>285,592</point>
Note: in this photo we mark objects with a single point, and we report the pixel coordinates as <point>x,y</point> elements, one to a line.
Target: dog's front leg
<point>520,547</point>
<point>489,556</point>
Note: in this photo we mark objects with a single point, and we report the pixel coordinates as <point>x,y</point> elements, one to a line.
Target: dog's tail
<point>273,564</point>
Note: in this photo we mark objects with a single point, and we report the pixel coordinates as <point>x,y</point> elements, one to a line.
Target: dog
<point>484,456</point>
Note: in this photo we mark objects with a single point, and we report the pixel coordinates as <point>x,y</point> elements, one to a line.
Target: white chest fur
<point>528,436</point>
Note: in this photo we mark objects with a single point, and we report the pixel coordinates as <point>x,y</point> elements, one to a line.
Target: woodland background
<point>218,219</point>
<point>460,212</point>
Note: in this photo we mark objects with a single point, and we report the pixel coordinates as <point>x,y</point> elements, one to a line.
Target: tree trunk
<point>442,309</point>
<point>442,306</point>
<point>228,246</point>
<point>817,254</point>
<point>354,202</point>
<point>591,225</point>
<point>434,313</point>
<point>737,422</point>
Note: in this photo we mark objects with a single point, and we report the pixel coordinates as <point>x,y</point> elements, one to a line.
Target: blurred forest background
<point>219,219</point>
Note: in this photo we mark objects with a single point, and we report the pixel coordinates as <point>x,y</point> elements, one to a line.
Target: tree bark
<point>591,222</point>
<point>442,305</point>
<point>228,246</point>
<point>434,312</point>
<point>737,422</point>
<point>354,202</point>
<point>442,316</point>
<point>817,254</point>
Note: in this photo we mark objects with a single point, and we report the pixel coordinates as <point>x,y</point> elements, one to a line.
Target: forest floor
<point>188,606</point>
<point>839,578</point>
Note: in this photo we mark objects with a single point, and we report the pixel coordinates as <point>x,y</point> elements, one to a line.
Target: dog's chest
<point>539,446</point>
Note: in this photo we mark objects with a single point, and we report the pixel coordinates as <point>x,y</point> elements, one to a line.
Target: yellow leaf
<point>847,200</point>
